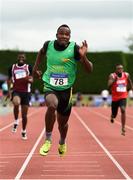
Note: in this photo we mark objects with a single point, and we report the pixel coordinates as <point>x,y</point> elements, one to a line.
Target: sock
<point>23,131</point>
<point>48,136</point>
<point>16,121</point>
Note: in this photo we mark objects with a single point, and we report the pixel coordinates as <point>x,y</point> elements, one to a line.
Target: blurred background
<point>107,25</point>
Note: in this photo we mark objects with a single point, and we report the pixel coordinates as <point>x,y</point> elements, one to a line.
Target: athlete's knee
<point>16,101</point>
<point>123,110</point>
<point>51,108</point>
<point>51,101</point>
<point>52,105</point>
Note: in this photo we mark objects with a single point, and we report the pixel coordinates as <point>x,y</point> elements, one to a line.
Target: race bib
<point>20,74</point>
<point>121,88</point>
<point>59,79</point>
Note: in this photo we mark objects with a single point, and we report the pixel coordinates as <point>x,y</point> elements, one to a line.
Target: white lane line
<point>102,146</point>
<point>105,117</point>
<point>69,166</point>
<point>72,171</point>
<point>18,176</point>
<point>92,155</point>
<point>7,126</point>
<point>70,162</point>
<point>80,153</point>
<point>73,175</point>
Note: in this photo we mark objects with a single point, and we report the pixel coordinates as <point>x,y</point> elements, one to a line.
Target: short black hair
<point>64,25</point>
<point>118,65</point>
<point>21,52</point>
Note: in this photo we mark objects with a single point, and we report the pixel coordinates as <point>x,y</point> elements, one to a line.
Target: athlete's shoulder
<point>112,75</point>
<point>30,68</point>
<point>126,73</point>
<point>46,43</point>
<point>13,66</point>
<point>45,47</point>
<point>72,43</point>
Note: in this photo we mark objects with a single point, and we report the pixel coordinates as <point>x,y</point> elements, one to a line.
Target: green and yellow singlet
<point>61,67</point>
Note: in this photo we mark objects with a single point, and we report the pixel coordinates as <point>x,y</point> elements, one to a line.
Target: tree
<point>130,42</point>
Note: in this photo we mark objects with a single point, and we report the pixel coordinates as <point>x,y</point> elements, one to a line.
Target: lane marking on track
<point>80,153</point>
<point>102,146</point>
<point>9,125</point>
<point>69,166</point>
<point>72,175</point>
<point>18,176</point>
<point>72,171</point>
<point>105,117</point>
<point>91,155</point>
<point>68,161</point>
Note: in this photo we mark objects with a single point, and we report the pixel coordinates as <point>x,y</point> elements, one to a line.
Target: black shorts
<point>116,104</point>
<point>64,100</point>
<point>24,97</point>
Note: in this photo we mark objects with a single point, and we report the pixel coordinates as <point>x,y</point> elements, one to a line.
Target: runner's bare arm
<point>36,72</point>
<point>84,60</point>
<point>9,84</point>
<point>130,82</point>
<point>111,80</point>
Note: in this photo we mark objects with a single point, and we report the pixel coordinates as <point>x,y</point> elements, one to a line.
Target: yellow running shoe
<point>62,149</point>
<point>45,148</point>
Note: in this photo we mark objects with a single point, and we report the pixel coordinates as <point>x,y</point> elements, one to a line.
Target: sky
<point>27,24</point>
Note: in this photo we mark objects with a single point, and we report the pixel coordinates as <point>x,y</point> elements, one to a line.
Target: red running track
<point>96,149</point>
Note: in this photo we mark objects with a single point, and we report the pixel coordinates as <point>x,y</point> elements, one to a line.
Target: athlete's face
<point>21,59</point>
<point>63,36</point>
<point>119,69</point>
